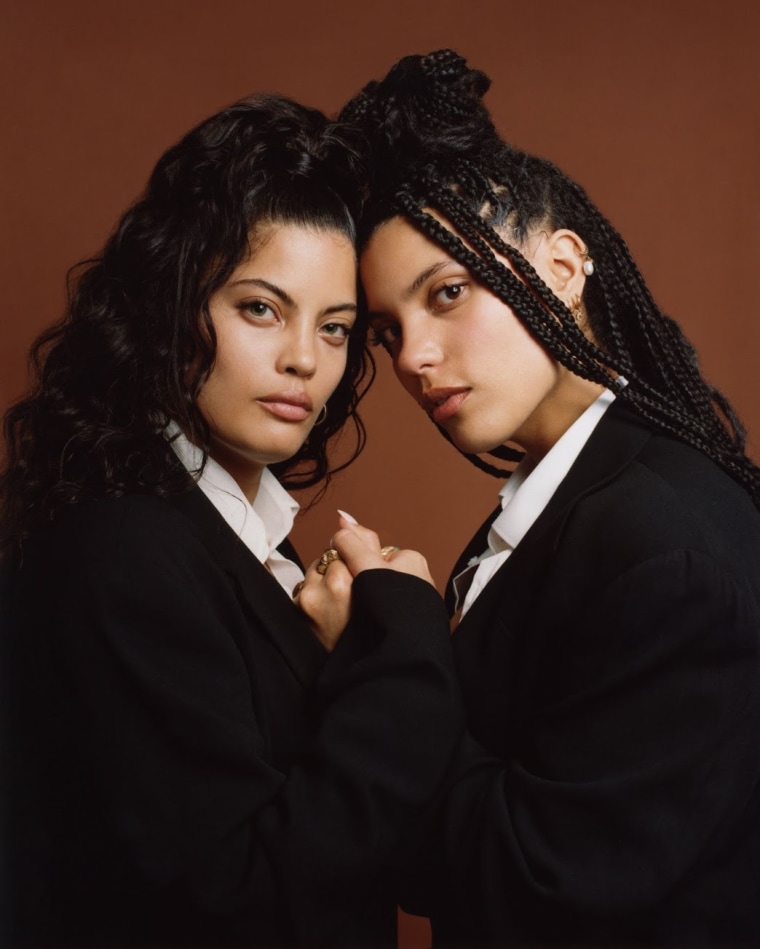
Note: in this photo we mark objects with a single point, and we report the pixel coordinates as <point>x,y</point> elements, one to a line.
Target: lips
<point>443,403</point>
<point>290,406</point>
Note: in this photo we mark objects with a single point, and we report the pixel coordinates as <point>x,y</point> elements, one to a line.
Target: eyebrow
<point>414,286</point>
<point>286,297</point>
<point>426,274</point>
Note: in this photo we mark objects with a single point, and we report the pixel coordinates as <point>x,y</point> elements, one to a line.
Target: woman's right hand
<point>360,549</point>
<point>325,595</point>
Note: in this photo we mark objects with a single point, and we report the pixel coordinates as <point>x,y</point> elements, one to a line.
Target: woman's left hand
<point>359,548</point>
<point>325,593</point>
<point>325,598</point>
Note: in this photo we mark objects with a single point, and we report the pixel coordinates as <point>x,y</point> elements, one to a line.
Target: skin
<point>326,599</point>
<point>445,331</point>
<point>465,357</point>
<point>282,322</point>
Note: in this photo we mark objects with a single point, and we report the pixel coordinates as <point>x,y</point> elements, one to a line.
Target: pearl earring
<point>588,263</point>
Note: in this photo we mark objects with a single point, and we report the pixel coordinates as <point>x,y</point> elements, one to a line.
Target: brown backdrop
<point>652,106</point>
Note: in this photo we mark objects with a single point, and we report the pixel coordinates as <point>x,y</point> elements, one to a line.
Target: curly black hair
<point>137,343</point>
<point>432,145</point>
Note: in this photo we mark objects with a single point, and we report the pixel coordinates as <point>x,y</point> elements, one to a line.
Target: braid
<point>565,342</point>
<point>434,148</point>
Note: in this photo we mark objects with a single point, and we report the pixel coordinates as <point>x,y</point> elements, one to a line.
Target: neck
<point>542,432</point>
<point>246,473</point>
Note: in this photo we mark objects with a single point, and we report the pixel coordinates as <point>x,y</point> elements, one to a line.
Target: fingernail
<point>347,517</point>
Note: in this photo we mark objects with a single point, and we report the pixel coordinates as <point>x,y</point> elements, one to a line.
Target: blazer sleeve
<point>172,747</point>
<point>635,758</point>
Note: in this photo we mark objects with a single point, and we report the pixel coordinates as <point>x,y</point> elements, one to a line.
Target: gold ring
<point>385,552</point>
<point>297,588</point>
<point>326,559</point>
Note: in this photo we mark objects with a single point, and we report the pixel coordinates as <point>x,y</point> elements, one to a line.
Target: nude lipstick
<point>289,406</point>
<point>443,403</point>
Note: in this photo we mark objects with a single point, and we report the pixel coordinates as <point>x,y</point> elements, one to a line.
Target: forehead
<point>275,242</point>
<point>397,233</point>
<point>298,254</point>
<point>395,256</point>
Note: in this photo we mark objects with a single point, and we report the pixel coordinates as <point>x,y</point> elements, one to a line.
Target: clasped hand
<point>325,595</point>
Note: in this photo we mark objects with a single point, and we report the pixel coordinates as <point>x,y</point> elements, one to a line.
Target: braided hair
<point>137,344</point>
<point>433,147</point>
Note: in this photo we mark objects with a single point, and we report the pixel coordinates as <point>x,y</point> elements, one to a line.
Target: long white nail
<point>347,517</point>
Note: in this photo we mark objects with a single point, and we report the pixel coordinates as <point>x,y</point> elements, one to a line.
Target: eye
<point>336,333</point>
<point>448,293</point>
<point>259,310</point>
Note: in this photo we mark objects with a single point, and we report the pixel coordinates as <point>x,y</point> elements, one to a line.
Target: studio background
<point>652,106</point>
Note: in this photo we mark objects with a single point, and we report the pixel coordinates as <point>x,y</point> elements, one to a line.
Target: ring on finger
<point>297,588</point>
<point>385,552</point>
<point>326,559</point>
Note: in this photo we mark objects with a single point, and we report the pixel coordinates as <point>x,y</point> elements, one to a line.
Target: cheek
<point>230,380</point>
<point>504,338</point>
<point>212,396</point>
<point>217,382</point>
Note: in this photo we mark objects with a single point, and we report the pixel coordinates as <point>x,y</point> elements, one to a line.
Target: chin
<point>472,445</point>
<point>274,457</point>
<point>235,452</point>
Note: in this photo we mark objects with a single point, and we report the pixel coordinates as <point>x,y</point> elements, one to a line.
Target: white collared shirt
<point>261,526</point>
<point>523,498</point>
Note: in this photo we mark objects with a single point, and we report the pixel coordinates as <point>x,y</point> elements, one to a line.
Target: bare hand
<point>325,597</point>
<point>326,601</point>
<point>360,550</point>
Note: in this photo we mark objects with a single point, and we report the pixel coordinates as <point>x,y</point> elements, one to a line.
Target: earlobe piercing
<point>588,263</point>
<point>576,308</point>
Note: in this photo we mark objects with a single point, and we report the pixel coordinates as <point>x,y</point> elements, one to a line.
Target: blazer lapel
<point>475,547</point>
<point>614,443</point>
<point>262,597</point>
<point>489,642</point>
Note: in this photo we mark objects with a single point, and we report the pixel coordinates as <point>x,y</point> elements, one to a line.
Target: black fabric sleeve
<point>152,728</point>
<point>636,760</point>
<point>390,720</point>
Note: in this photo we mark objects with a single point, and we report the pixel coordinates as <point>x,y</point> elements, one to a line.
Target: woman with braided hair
<point>185,761</point>
<point>607,615</point>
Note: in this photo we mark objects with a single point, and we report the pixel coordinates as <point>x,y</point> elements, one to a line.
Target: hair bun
<point>427,106</point>
<point>445,65</point>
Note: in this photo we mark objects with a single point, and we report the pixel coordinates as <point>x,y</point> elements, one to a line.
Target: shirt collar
<point>263,525</point>
<point>531,485</point>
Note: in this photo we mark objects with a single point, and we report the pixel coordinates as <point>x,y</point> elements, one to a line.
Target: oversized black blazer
<point>609,792</point>
<point>184,765</point>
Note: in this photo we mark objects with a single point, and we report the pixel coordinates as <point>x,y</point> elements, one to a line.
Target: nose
<point>420,349</point>
<point>298,355</point>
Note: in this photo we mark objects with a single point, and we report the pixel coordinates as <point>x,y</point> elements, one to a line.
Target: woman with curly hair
<point>187,761</point>
<point>607,615</point>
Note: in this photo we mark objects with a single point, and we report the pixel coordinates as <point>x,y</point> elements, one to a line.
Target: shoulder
<point>667,547</point>
<point>668,497</point>
<point>114,520</point>
<point>133,533</point>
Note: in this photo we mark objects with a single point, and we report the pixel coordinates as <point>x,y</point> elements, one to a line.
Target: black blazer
<point>608,793</point>
<point>186,766</point>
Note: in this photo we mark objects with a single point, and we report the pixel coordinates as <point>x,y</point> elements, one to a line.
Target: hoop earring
<point>322,417</point>
<point>576,308</point>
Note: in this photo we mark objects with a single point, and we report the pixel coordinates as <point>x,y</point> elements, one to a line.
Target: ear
<point>559,259</point>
